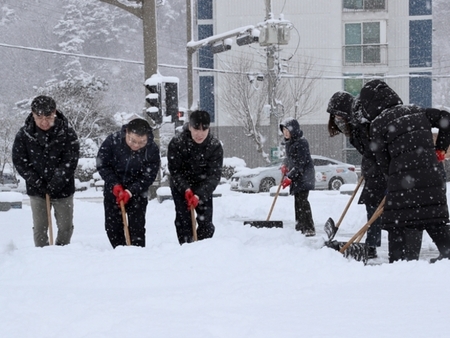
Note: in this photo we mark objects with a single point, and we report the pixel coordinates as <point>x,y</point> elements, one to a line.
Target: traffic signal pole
<point>151,66</point>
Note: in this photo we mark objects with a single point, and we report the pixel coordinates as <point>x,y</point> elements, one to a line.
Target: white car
<point>330,174</point>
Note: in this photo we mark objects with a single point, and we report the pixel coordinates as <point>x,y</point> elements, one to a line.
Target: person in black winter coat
<point>298,172</point>
<point>345,118</point>
<point>402,140</point>
<point>195,159</point>
<point>45,153</point>
<point>128,161</point>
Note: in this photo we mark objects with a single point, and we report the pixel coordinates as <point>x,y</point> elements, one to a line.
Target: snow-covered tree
<point>8,131</point>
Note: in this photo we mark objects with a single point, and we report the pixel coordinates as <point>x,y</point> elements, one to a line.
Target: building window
<point>369,5</point>
<point>207,95</point>
<point>205,56</point>
<point>205,9</point>
<point>420,43</point>
<point>365,43</point>
<point>420,89</point>
<point>419,7</point>
<point>354,85</point>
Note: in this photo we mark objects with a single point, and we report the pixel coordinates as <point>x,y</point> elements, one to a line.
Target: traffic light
<point>171,99</point>
<point>154,100</point>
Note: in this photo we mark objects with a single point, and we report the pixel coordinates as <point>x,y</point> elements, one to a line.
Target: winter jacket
<point>47,159</point>
<point>402,141</point>
<point>134,170</point>
<point>345,105</point>
<point>298,158</point>
<point>195,166</point>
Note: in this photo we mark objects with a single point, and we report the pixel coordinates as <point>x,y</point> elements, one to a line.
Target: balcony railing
<point>364,5</point>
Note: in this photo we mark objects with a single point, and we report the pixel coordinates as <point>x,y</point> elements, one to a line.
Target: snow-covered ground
<point>244,282</point>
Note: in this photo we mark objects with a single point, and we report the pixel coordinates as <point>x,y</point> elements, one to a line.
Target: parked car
<point>330,174</point>
<point>8,181</point>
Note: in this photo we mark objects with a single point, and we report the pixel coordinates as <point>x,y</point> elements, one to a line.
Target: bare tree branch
<point>244,97</point>
<point>244,100</point>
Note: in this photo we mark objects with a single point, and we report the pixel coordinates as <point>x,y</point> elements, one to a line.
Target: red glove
<point>188,194</point>
<point>286,182</point>
<point>191,199</point>
<point>193,202</point>
<point>117,189</point>
<point>284,170</point>
<point>124,196</point>
<point>440,155</point>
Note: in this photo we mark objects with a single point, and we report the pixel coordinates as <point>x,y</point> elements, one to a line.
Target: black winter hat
<point>199,119</point>
<point>43,105</point>
<point>341,104</point>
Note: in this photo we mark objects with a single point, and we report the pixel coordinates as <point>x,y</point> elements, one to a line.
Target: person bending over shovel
<point>402,140</point>
<point>298,172</point>
<point>128,161</point>
<point>345,118</point>
<point>195,160</point>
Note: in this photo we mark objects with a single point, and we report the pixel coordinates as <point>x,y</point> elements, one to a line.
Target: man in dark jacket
<point>345,118</point>
<point>195,159</point>
<point>299,174</point>
<point>45,153</point>
<point>128,161</point>
<point>402,141</point>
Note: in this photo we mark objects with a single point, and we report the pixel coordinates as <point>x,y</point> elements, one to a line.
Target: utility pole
<point>190,52</point>
<point>273,118</point>
<point>150,39</point>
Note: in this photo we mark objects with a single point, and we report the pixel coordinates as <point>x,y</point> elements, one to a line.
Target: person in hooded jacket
<point>299,174</point>
<point>402,140</point>
<point>195,159</point>
<point>128,161</point>
<point>45,153</point>
<point>346,119</point>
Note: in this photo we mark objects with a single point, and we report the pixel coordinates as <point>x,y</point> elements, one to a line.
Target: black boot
<point>438,258</point>
<point>371,252</point>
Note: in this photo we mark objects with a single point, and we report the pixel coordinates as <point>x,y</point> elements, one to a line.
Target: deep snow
<point>244,282</point>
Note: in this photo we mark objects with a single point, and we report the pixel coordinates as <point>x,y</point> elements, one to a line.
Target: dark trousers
<point>183,223</point>
<point>374,233</point>
<point>405,243</point>
<point>135,209</point>
<point>303,213</point>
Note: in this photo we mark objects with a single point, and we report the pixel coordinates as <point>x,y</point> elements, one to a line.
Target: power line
<point>71,54</point>
<point>320,77</point>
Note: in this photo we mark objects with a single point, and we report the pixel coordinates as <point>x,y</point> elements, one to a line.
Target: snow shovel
<point>194,225</point>
<point>268,223</point>
<point>353,248</point>
<point>49,217</point>
<point>329,227</point>
<point>125,223</point>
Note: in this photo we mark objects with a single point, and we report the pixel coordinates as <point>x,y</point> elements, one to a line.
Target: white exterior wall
<point>320,24</point>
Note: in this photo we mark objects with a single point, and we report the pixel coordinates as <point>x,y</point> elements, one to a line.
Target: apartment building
<point>342,44</point>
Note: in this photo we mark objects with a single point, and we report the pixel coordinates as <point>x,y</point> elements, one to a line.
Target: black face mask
<point>342,126</point>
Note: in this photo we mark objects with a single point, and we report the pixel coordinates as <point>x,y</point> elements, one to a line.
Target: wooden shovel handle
<point>125,223</point>
<point>194,225</point>
<point>275,198</point>
<point>49,217</point>
<point>350,201</point>
<point>358,236</point>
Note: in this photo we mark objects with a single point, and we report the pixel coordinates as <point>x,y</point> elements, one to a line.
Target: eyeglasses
<point>44,118</point>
